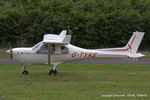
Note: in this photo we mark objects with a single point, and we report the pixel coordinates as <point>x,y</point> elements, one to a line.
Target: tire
<point>53,72</point>
<point>25,72</point>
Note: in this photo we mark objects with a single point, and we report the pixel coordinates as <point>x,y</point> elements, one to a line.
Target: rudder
<point>135,41</point>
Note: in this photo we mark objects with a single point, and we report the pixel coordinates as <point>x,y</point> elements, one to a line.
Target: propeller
<point>11,51</point>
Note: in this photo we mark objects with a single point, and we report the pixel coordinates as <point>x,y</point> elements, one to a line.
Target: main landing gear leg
<point>24,71</point>
<point>53,71</point>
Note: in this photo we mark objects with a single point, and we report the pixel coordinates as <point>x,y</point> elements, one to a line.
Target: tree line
<point>92,23</point>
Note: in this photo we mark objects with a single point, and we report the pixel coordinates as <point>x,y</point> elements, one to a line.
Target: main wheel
<point>25,72</point>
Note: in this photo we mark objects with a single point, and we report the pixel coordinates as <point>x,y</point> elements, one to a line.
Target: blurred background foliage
<point>92,23</point>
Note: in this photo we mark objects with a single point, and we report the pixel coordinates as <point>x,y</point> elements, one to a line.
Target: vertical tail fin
<point>131,47</point>
<point>134,42</point>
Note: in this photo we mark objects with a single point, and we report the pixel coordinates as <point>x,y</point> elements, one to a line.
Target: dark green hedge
<point>92,23</point>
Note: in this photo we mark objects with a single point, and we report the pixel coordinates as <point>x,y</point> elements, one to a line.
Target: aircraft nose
<point>8,51</point>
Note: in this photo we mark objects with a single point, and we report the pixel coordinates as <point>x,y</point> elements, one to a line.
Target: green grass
<point>74,82</point>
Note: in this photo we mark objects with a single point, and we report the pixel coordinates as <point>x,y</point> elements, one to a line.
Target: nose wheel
<point>24,71</point>
<point>53,72</point>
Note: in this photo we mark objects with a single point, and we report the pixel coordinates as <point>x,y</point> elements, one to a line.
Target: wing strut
<point>49,54</point>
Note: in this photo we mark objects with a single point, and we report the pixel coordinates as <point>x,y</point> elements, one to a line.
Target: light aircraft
<point>56,49</point>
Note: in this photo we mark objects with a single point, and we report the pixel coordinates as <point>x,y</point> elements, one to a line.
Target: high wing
<point>61,39</point>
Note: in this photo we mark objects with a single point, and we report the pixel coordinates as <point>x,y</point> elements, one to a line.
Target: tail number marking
<point>84,55</point>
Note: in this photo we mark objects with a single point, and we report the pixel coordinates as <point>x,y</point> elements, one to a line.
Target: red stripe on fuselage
<point>44,54</point>
<point>112,55</point>
<point>119,49</point>
<point>129,46</point>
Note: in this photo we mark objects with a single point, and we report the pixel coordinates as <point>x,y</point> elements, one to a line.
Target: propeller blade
<point>11,51</point>
<point>11,54</point>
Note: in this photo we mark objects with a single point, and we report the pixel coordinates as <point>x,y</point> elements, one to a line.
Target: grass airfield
<point>75,82</point>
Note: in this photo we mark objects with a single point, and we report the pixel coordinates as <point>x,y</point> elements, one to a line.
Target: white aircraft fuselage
<point>30,56</point>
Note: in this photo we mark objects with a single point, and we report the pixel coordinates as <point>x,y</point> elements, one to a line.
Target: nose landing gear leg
<point>53,71</point>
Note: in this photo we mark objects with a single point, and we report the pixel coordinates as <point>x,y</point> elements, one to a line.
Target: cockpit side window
<point>44,49</point>
<point>36,46</point>
<point>52,49</point>
<point>64,50</point>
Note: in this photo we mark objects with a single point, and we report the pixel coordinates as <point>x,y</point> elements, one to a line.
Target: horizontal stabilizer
<point>136,55</point>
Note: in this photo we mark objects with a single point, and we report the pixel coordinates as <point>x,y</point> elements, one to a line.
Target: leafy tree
<point>92,23</point>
